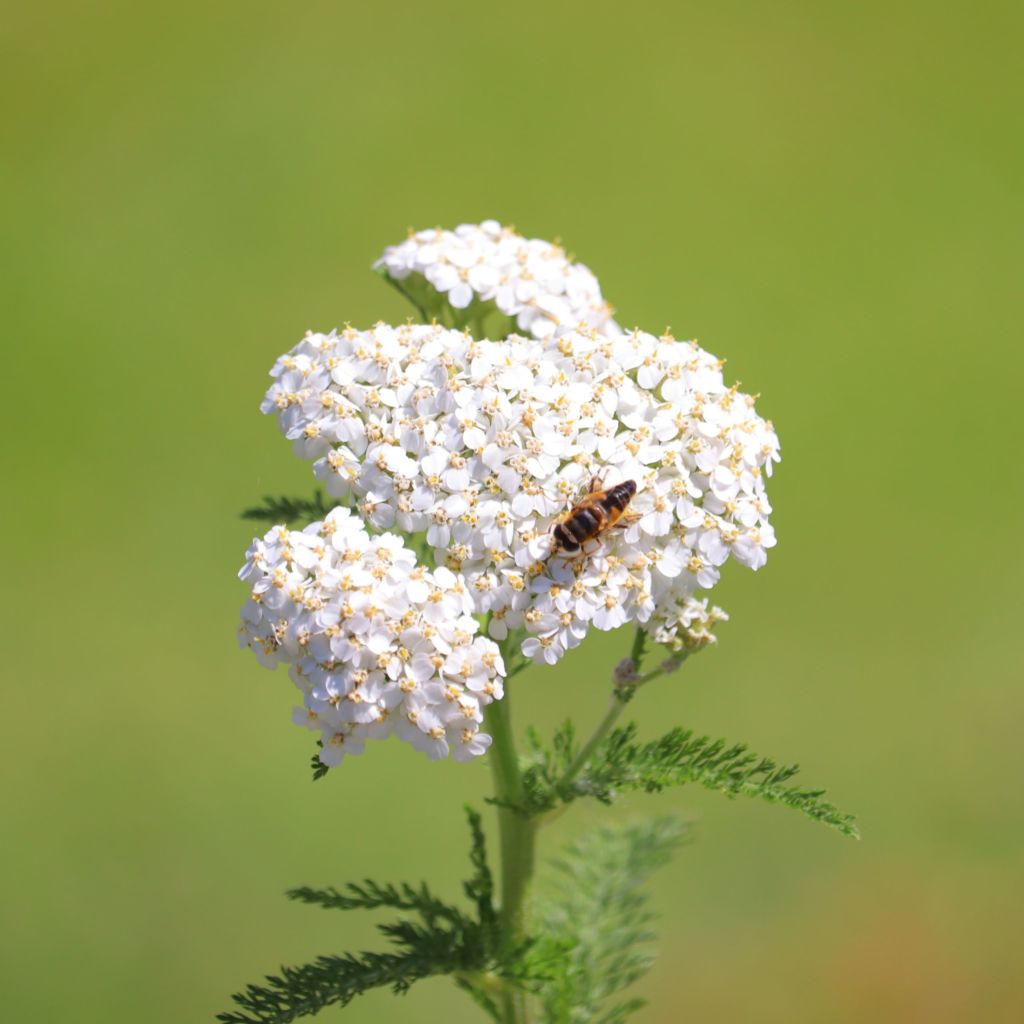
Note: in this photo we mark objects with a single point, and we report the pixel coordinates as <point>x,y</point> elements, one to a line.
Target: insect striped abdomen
<point>618,497</point>
<point>582,525</point>
<point>592,515</point>
<point>585,523</point>
<point>566,541</point>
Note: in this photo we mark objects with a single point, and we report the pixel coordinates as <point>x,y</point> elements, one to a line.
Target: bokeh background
<point>827,194</point>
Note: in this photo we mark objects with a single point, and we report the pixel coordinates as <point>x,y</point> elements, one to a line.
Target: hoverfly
<point>598,510</point>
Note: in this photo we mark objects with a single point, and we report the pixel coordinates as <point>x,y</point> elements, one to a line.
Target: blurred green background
<point>827,194</point>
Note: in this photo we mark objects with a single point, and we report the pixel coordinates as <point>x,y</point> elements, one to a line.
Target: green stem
<point>620,698</point>
<point>639,644</point>
<point>517,839</point>
<point>405,295</point>
<point>604,727</point>
<point>480,324</point>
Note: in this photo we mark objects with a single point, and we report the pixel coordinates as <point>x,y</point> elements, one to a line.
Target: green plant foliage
<point>299,991</point>
<point>677,758</point>
<point>372,895</point>
<point>318,767</point>
<point>440,939</point>
<point>593,927</point>
<point>282,509</point>
<point>479,888</point>
<point>544,768</point>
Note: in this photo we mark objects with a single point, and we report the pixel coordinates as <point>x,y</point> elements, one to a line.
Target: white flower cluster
<point>526,278</point>
<point>376,644</point>
<point>484,445</point>
<point>686,626</point>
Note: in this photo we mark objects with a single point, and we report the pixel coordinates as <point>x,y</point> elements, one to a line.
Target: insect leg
<point>627,520</point>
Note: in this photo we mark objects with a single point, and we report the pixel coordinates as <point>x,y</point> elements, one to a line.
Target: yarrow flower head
<point>483,446</point>
<point>376,643</point>
<point>529,280</point>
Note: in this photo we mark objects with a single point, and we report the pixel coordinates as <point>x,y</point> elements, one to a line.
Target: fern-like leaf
<point>593,926</point>
<point>317,766</point>
<point>479,888</point>
<point>679,757</point>
<point>282,509</point>
<point>444,940</point>
<point>371,895</point>
<point>300,991</point>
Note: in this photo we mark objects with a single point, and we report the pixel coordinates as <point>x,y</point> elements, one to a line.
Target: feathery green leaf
<point>679,757</point>
<point>372,895</point>
<point>282,509</point>
<point>318,767</point>
<point>300,991</point>
<point>480,886</point>
<point>593,926</point>
<point>444,940</point>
